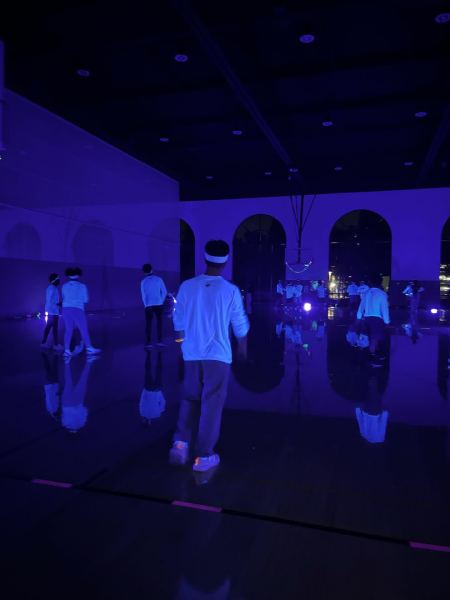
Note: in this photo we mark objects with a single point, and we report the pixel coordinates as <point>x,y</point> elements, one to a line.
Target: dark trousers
<point>149,312</point>
<point>376,330</point>
<point>206,384</point>
<point>52,323</point>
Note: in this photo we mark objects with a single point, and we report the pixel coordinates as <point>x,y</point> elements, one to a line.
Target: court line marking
<point>182,503</point>
<point>58,484</point>
<point>432,547</point>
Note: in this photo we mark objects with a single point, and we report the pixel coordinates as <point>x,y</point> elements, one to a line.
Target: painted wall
<point>416,219</point>
<point>66,197</point>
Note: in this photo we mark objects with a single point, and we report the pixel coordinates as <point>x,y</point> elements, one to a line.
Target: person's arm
<point>163,291</point>
<point>86,295</point>
<point>362,308</point>
<point>179,313</point>
<point>143,291</point>
<point>239,324</point>
<point>385,309</point>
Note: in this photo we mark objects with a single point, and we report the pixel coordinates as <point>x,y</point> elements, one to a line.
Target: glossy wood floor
<point>331,467</point>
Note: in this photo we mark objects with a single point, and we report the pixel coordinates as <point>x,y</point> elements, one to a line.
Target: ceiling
<point>371,67</point>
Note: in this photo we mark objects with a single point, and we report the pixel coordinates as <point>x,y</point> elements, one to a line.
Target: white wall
<point>416,218</point>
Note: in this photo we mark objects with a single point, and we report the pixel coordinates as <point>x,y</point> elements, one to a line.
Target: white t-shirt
<point>206,306</point>
<point>372,427</point>
<point>321,291</point>
<point>374,303</point>
<point>52,300</point>
<point>352,289</point>
<point>153,291</point>
<point>74,295</point>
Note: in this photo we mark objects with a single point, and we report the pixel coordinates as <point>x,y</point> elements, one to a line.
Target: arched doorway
<point>259,246</point>
<point>360,245</point>
<point>187,251</point>
<point>444,276</point>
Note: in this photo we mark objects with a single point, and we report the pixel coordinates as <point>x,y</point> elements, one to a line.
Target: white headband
<point>73,276</point>
<point>216,259</point>
<point>55,279</point>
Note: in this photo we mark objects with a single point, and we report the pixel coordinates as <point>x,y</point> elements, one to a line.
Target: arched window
<point>258,254</point>
<point>444,276</point>
<point>360,245</point>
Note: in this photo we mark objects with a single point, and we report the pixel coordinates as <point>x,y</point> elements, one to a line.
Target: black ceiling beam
<point>217,56</point>
<point>437,142</point>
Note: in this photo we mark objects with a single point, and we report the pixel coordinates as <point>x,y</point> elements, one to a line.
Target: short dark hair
<point>72,271</point>
<point>375,280</point>
<point>53,277</point>
<point>216,248</point>
<point>69,272</point>
<point>147,268</point>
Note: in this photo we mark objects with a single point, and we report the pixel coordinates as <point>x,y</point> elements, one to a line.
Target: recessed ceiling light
<point>408,163</point>
<point>268,173</point>
<point>338,168</point>
<point>420,114</point>
<point>209,177</point>
<point>181,58</point>
<point>327,123</point>
<point>306,38</point>
<point>83,73</point>
<point>237,132</point>
<point>164,139</point>
<point>442,18</point>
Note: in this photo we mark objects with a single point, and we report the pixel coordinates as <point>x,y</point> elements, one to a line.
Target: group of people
<point>294,291</point>
<point>206,306</point>
<point>72,300</point>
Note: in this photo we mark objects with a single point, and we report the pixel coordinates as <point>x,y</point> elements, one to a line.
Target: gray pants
<point>206,384</point>
<point>75,318</point>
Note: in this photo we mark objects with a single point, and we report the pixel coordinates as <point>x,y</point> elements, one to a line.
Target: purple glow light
<point>181,58</point>
<point>408,163</point>
<point>83,73</point>
<point>237,132</point>
<point>338,168</point>
<point>164,139</point>
<point>434,311</point>
<point>307,306</point>
<point>268,173</point>
<point>293,170</point>
<point>327,123</point>
<point>307,38</point>
<point>442,18</point>
<point>420,114</point>
<point>210,177</point>
<point>206,507</point>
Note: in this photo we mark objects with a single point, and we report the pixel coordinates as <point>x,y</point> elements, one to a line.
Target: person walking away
<point>52,311</point>
<point>154,293</point>
<point>352,291</point>
<point>374,309</point>
<point>206,306</point>
<point>74,298</point>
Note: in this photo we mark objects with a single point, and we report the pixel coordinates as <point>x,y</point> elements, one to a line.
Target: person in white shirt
<point>154,293</point>
<point>206,307</point>
<point>362,289</point>
<point>74,298</point>
<point>52,304</point>
<point>321,291</point>
<point>374,309</point>
<point>352,291</point>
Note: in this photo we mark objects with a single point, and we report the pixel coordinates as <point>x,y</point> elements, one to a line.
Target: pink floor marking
<point>215,509</point>
<point>59,484</point>
<point>433,547</point>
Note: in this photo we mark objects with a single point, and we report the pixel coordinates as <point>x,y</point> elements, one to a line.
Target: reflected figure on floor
<point>52,386</point>
<point>371,416</point>
<point>353,295</point>
<point>412,332</point>
<point>413,292</point>
<point>322,292</point>
<point>152,402</point>
<point>74,413</point>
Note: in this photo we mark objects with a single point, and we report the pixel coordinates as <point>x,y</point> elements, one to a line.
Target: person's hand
<point>179,336</point>
<point>242,351</point>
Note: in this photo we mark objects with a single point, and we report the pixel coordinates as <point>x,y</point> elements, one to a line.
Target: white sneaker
<point>92,350</point>
<point>67,352</point>
<point>179,453</point>
<point>204,463</point>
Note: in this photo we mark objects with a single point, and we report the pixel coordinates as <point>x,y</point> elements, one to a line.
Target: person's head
<point>54,278</point>
<point>74,272</point>
<point>375,281</point>
<point>147,268</point>
<point>216,256</point>
<point>362,282</point>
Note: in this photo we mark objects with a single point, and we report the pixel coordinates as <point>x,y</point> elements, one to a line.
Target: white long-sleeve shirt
<point>206,306</point>
<point>74,295</point>
<point>52,300</point>
<point>374,303</point>
<point>153,291</point>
